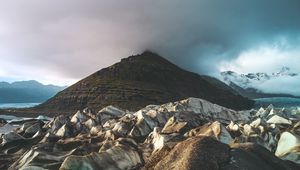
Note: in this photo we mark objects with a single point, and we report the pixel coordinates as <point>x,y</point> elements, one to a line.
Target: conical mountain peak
<point>148,57</point>
<point>140,80</point>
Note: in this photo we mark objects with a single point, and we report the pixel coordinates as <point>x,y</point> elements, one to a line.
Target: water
<point>17,105</point>
<point>278,102</point>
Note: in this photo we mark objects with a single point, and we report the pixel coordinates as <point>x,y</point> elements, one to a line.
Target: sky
<point>60,42</point>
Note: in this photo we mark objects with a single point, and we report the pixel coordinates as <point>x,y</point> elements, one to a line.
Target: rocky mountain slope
<point>140,80</point>
<point>247,84</point>
<point>26,92</point>
<point>183,135</point>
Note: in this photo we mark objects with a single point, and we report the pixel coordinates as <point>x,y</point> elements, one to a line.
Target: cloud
<point>269,59</point>
<point>70,39</point>
<point>286,85</point>
<point>266,58</point>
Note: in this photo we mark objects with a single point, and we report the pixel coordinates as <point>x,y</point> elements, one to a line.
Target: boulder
<point>173,126</point>
<point>272,142</point>
<point>109,134</point>
<point>215,130</point>
<point>110,123</point>
<point>272,113</point>
<point>209,110</point>
<point>193,153</point>
<point>38,134</point>
<point>161,117</point>
<point>11,136</point>
<point>252,156</point>
<point>159,140</point>
<point>141,116</point>
<point>33,129</point>
<point>89,162</point>
<point>68,144</point>
<point>79,117</point>
<point>261,112</point>
<point>248,130</point>
<point>81,128</point>
<point>39,159</point>
<point>65,131</point>
<point>118,157</point>
<point>57,123</point>
<point>258,122</point>
<point>96,130</point>
<point>181,122</point>
<point>295,129</point>
<point>108,113</point>
<point>202,152</point>
<point>234,129</point>
<point>50,138</point>
<point>90,123</point>
<point>122,128</point>
<point>278,120</point>
<point>289,147</point>
<point>89,112</point>
<point>28,124</point>
<point>7,128</point>
<point>143,126</point>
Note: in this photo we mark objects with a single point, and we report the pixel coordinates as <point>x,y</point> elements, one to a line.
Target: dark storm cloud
<point>69,39</point>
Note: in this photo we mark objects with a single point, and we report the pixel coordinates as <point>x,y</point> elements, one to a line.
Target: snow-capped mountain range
<point>249,85</point>
<point>251,79</point>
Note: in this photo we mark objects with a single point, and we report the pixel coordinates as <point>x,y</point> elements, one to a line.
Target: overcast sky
<point>60,42</point>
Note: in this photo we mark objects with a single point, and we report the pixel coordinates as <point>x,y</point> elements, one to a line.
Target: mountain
<point>26,92</point>
<point>253,93</point>
<point>140,80</point>
<point>246,84</point>
<point>216,82</point>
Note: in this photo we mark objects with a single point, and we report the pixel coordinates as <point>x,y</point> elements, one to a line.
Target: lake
<point>278,102</point>
<point>17,105</point>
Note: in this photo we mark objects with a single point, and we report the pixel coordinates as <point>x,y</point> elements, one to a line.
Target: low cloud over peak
<point>62,42</point>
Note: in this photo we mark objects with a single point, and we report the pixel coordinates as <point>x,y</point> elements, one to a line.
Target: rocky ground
<point>188,134</point>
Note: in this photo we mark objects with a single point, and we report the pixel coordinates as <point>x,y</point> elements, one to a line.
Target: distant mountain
<point>253,93</point>
<point>245,84</point>
<point>27,92</point>
<point>141,80</point>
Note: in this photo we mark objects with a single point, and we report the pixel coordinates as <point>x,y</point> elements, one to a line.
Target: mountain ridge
<point>245,84</point>
<point>30,91</point>
<point>140,80</point>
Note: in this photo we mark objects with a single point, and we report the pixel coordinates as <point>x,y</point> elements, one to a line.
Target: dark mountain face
<point>138,81</point>
<point>26,92</point>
